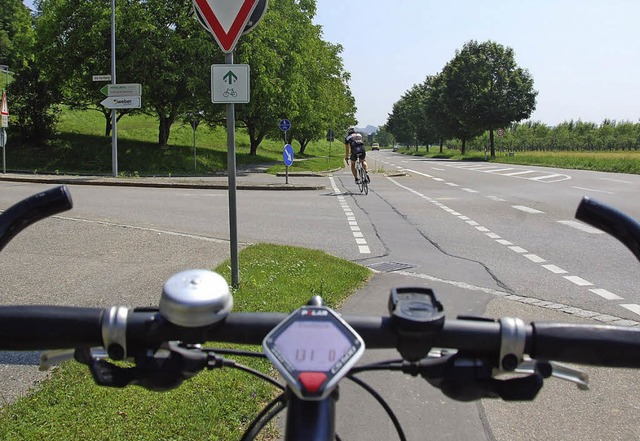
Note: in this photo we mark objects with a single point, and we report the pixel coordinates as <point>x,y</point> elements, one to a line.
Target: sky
<point>583,55</point>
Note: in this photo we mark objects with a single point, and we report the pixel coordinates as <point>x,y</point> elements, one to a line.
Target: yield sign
<point>4,109</point>
<point>225,19</point>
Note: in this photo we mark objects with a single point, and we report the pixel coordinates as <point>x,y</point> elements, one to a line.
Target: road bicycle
<point>363,178</point>
<point>314,347</point>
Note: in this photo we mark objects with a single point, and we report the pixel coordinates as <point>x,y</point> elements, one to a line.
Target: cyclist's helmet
<point>351,130</point>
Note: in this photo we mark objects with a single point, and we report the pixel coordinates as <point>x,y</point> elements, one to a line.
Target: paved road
<point>409,219</point>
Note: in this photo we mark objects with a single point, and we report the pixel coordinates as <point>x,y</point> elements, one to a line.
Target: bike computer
<point>313,348</point>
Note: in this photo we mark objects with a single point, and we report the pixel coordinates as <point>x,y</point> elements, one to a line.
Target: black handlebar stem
<point>612,221</point>
<point>19,216</point>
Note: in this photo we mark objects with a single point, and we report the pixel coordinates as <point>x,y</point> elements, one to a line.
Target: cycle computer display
<point>313,348</point>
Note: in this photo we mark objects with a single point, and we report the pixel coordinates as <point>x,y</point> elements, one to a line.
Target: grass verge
<point>81,147</point>
<point>215,405</point>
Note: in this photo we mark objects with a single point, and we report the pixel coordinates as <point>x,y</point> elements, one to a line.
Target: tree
<point>486,90</point>
<point>384,137</point>
<point>294,75</point>
<point>158,44</point>
<point>73,44</point>
<point>328,102</point>
<point>405,118</point>
<point>33,108</point>
<point>172,55</point>
<point>16,35</point>
<point>32,96</point>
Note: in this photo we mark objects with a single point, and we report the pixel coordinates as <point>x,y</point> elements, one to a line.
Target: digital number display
<point>312,346</point>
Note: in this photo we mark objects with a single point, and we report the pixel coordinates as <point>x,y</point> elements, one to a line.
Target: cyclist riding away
<point>354,148</point>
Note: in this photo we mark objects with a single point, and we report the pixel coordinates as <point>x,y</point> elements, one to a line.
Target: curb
<point>157,183</point>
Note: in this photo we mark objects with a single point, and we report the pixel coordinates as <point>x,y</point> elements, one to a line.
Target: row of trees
<point>160,44</point>
<point>480,89</point>
<point>570,135</point>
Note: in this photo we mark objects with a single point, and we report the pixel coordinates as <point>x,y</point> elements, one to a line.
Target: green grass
<point>606,161</point>
<point>214,405</point>
<point>81,148</point>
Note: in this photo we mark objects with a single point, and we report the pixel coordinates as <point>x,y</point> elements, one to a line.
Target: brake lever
<point>465,378</point>
<point>558,370</point>
<point>164,368</point>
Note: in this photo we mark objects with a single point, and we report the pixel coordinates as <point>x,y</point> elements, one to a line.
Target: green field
<point>81,147</point>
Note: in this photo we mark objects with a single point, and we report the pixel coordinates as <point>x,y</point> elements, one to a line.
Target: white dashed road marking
<point>527,209</point>
<point>361,242</point>
<point>579,281</point>
<point>580,226</point>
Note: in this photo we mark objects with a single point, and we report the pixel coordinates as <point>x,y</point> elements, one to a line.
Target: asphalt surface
<point>61,269</point>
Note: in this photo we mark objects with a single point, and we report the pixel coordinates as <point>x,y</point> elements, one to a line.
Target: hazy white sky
<point>584,55</point>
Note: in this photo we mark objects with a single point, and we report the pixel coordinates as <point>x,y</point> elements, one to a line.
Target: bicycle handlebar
<point>612,221</point>
<point>481,347</point>
<point>53,327</point>
<point>19,216</point>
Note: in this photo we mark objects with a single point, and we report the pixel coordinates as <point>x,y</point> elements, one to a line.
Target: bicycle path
<point>82,260</point>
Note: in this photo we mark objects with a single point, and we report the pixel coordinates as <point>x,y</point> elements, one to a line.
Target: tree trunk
<point>255,140</point>
<point>463,148</point>
<point>441,145</point>
<point>303,145</point>
<point>164,129</point>
<point>108,121</point>
<point>107,124</point>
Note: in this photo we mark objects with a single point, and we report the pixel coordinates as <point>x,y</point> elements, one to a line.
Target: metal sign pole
<point>3,141</point>
<point>231,167</point>
<point>114,116</point>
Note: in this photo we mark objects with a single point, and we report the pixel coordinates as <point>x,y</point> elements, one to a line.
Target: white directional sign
<point>122,89</point>
<point>229,83</point>
<point>101,78</point>
<point>121,102</point>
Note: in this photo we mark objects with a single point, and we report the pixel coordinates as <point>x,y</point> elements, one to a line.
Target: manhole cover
<point>387,267</point>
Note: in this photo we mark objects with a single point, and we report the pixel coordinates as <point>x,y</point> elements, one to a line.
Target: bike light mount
<point>418,316</point>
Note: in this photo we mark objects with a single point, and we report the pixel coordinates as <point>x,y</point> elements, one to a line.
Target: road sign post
<point>226,20</point>
<point>331,136</point>
<point>287,156</point>
<point>3,144</point>
<point>4,113</point>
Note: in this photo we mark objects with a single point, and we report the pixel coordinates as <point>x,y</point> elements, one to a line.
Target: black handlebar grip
<point>612,221</point>
<point>39,327</point>
<point>599,345</point>
<point>19,216</point>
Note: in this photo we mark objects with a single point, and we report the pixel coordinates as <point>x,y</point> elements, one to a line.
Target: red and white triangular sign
<point>225,19</point>
<point>4,110</point>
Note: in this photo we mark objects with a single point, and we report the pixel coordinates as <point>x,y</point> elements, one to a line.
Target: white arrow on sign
<point>121,102</point>
<point>225,19</point>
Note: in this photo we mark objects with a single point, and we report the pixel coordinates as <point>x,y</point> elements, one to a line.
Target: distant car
<point>375,146</point>
<point>395,148</point>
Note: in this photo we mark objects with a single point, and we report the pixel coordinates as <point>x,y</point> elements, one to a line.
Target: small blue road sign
<point>285,125</point>
<point>287,154</point>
